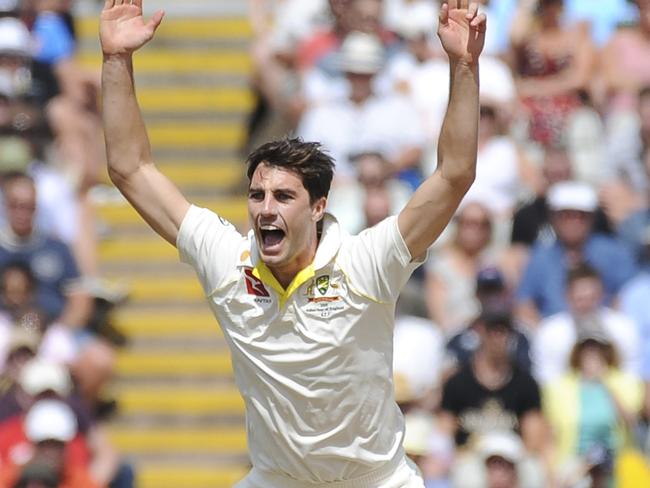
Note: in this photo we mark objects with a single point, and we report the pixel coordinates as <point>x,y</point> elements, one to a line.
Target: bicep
<point>158,201</point>
<point>429,211</point>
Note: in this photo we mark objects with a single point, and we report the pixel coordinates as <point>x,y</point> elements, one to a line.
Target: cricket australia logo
<point>323,284</point>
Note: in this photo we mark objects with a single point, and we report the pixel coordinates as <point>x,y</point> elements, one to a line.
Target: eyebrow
<point>254,189</point>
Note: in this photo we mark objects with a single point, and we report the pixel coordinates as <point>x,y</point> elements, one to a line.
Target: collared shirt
<point>312,362</point>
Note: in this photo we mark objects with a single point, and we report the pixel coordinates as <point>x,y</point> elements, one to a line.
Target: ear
<point>318,209</point>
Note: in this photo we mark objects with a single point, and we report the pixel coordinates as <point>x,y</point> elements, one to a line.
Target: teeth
<point>269,227</point>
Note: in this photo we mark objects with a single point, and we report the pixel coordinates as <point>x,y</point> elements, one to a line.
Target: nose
<point>268,206</point>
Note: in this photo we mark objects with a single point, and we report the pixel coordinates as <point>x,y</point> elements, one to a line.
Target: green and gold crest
<point>323,284</point>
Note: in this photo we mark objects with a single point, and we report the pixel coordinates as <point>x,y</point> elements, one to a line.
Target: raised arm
<point>130,164</point>
<point>462,33</point>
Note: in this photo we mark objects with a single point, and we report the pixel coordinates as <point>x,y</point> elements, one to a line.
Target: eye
<point>256,195</point>
<point>284,197</point>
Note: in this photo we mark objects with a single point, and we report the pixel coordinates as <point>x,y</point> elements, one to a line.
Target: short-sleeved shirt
<point>544,280</point>
<point>479,409</point>
<point>312,362</point>
<point>52,264</point>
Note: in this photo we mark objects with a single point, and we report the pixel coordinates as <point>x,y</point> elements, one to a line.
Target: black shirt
<point>479,409</point>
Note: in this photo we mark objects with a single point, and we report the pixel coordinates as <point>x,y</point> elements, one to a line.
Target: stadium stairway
<point>181,419</point>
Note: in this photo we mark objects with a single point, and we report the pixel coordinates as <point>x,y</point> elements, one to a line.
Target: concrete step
<point>159,439</point>
<point>178,400</point>
<point>185,8</point>
<point>146,323</point>
<point>189,476</point>
<point>173,364</point>
<point>233,209</point>
<point>170,61</point>
<point>195,99</point>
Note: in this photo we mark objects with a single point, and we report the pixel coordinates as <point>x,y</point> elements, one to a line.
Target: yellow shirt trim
<point>262,272</point>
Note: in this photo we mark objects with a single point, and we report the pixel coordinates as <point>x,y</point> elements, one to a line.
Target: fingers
<point>472,11</point>
<point>453,4</point>
<point>479,22</point>
<point>156,19</point>
<point>118,2</point>
<point>443,16</point>
<point>108,4</point>
<point>137,3</point>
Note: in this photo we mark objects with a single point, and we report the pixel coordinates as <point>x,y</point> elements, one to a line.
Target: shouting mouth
<point>271,236</point>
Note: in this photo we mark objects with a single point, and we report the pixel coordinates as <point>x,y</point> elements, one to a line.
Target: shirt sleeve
<point>209,244</point>
<point>530,395</point>
<point>378,262</point>
<point>54,41</point>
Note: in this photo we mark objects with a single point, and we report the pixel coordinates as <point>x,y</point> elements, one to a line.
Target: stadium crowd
<point>57,345</point>
<point>522,346</point>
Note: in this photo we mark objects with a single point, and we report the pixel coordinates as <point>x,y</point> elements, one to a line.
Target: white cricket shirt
<point>313,362</point>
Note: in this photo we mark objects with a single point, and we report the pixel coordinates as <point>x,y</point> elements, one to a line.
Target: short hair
<point>12,176</point>
<point>582,271</point>
<point>306,159</point>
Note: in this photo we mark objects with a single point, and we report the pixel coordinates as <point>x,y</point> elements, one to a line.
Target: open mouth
<point>271,237</point>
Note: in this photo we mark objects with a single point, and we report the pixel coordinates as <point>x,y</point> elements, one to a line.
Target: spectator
<point>602,22</point>
<point>451,272</point>
<point>364,122</point>
<point>51,428</point>
<point>491,391</point>
<point>552,64</point>
<point>490,288</point>
<point>542,291</point>
<point>21,348</point>
<point>589,409</point>
<point>625,65</point>
<point>531,221</point>
<point>556,335</point>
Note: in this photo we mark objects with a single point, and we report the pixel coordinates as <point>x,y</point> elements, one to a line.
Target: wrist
<point>117,57</point>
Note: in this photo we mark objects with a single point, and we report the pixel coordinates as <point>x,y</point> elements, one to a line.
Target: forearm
<point>127,143</point>
<point>458,144</point>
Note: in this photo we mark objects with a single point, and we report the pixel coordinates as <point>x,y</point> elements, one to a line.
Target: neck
<point>490,370</point>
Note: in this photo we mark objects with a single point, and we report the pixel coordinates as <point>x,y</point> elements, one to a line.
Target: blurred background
<point>522,345</point>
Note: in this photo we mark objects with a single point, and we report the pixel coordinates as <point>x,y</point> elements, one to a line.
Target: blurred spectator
<point>451,271</point>
<point>490,287</point>
<point>50,260</point>
<point>500,174</point>
<point>542,291</point>
<point>57,206</point>
<point>531,221</point>
<point>501,14</point>
<point>21,348</point>
<point>51,430</point>
<point>629,164</point>
<point>625,65</point>
<point>491,392</point>
<point>556,335</point>
<point>498,460</point>
<point>364,122</point>
<point>590,408</point>
<point>371,198</point>
<point>553,63</point>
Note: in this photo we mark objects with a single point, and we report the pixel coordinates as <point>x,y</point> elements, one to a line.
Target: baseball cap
<point>15,153</point>
<point>361,53</point>
<point>572,195</point>
<point>506,445</point>
<point>15,38</point>
<point>39,376</point>
<point>50,420</point>
<point>490,278</point>
<point>418,430</point>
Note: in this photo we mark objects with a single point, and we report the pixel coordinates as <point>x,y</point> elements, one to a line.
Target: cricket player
<point>307,310</point>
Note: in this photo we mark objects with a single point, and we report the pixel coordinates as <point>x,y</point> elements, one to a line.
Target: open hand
<point>122,28</point>
<point>462,30</point>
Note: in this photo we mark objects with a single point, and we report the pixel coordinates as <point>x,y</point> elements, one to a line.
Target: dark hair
<point>582,271</point>
<point>13,176</point>
<point>306,159</point>
<point>22,267</point>
<point>644,91</point>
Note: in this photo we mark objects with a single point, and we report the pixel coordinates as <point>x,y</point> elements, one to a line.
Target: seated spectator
<point>556,335</point>
<point>491,392</point>
<point>22,347</point>
<point>553,63</point>
<point>542,291</point>
<point>625,66</point>
<point>451,271</point>
<point>372,197</point>
<point>498,460</point>
<point>531,221</point>
<point>363,122</point>
<point>50,428</point>
<point>589,409</point>
<point>490,287</point>
<point>40,380</point>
